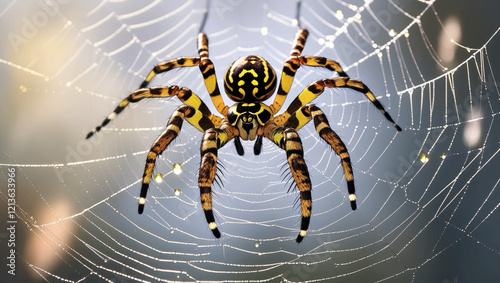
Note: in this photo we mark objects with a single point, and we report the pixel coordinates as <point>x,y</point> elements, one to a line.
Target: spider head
<point>247,117</point>
<point>247,126</point>
<point>250,79</point>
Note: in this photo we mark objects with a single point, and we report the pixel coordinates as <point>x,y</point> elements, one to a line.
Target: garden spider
<point>249,81</point>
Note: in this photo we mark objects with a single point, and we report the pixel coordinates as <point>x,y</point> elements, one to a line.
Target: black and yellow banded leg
<point>289,69</point>
<point>184,112</point>
<point>206,67</point>
<point>300,42</point>
<point>213,139</point>
<point>202,43</point>
<point>289,140</point>
<point>317,88</point>
<point>312,112</point>
<point>169,65</point>
<point>179,62</point>
<point>322,62</point>
<point>184,94</point>
<point>293,64</point>
<point>208,71</point>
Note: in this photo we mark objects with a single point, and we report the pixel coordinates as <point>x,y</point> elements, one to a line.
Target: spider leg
<point>311,111</point>
<point>166,66</point>
<point>289,69</point>
<point>179,62</point>
<point>208,71</point>
<point>184,94</point>
<point>317,88</point>
<point>289,140</point>
<point>292,65</point>
<point>206,67</point>
<point>184,112</point>
<point>300,42</point>
<point>213,139</point>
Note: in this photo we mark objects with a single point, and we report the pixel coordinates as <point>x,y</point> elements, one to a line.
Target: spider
<point>249,81</point>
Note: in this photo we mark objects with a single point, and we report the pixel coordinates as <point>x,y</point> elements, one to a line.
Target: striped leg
<point>184,94</point>
<point>212,140</point>
<point>179,62</point>
<point>169,65</point>
<point>174,126</point>
<point>309,112</point>
<point>289,140</point>
<point>315,61</point>
<point>208,71</point>
<point>317,88</point>
<point>289,69</point>
<point>292,65</point>
<point>206,67</point>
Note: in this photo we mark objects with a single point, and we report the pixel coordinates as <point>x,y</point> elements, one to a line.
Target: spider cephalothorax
<point>249,81</point>
<point>248,117</point>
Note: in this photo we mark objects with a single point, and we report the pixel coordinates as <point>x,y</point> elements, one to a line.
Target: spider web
<point>428,196</point>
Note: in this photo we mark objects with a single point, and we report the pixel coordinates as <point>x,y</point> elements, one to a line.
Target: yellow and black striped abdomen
<point>250,79</point>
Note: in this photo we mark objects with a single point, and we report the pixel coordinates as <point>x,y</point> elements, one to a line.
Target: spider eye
<point>250,79</point>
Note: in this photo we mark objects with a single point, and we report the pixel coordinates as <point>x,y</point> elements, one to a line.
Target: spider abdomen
<point>250,79</point>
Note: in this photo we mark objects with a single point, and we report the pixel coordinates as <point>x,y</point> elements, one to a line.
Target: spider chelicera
<point>249,81</point>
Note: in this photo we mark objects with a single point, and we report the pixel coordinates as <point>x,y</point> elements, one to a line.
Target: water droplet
<point>424,158</point>
<point>339,15</point>
<point>177,169</point>
<point>264,31</point>
<point>158,178</point>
